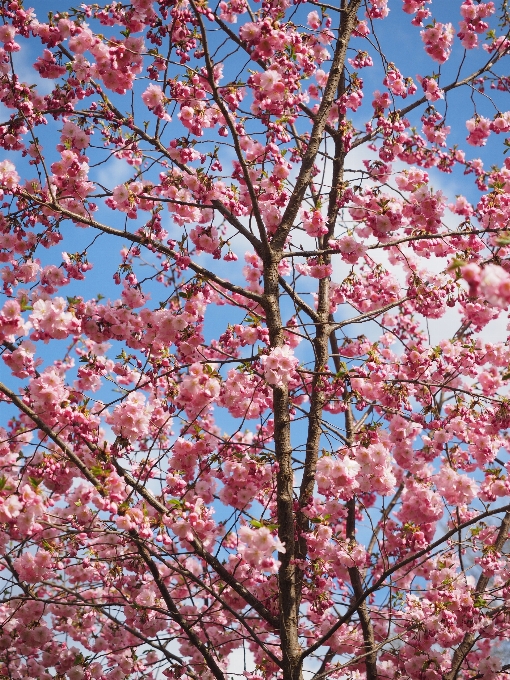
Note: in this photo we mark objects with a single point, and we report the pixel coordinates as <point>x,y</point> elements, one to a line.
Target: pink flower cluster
<point>33,568</point>
<point>257,547</point>
<point>314,223</point>
<point>457,489</point>
<point>402,435</point>
<point>315,267</point>
<point>243,480</point>
<point>21,360</point>
<point>70,178</point>
<point>424,207</point>
<point>51,319</point>
<point>73,137</point>
<point>375,473</point>
<point>279,365</point>
<point>199,388</point>
<point>155,100</point>
<point>378,9</point>
<point>48,392</point>
<point>473,21</point>
<point>47,66</point>
<point>130,420</point>
<point>435,130</point>
<point>130,197</point>
<point>479,128</point>
<point>12,323</point>
<point>350,249</point>
<point>7,35</point>
<point>337,476</point>
<point>206,239</point>
<point>245,395</point>
<point>492,283</point>
<point>397,84</point>
<point>116,63</point>
<point>420,503</point>
<point>431,88</point>
<point>438,41</point>
<point>417,7</point>
<point>361,60</point>
<point>9,178</point>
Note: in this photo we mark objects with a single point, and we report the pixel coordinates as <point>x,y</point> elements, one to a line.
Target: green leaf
<point>123,508</point>
<point>25,306</point>
<point>320,519</point>
<point>479,602</point>
<point>98,471</point>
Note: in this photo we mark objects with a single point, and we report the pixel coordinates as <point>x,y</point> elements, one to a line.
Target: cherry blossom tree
<point>275,446</point>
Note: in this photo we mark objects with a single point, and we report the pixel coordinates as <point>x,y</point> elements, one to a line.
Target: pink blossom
<point>34,568</point>
<point>336,476</point>
<point>48,391</point>
<point>378,9</point>
<point>279,365</point>
<point>438,41</point>
<point>314,223</point>
<point>21,360</point>
<point>479,130</point>
<point>351,249</point>
<point>313,20</point>
<point>51,320</point>
<point>47,66</point>
<point>420,504</point>
<point>12,323</point>
<point>130,420</point>
<point>431,88</point>
<point>199,388</point>
<point>495,285</point>
<point>154,99</point>
<point>9,178</point>
<point>82,41</point>
<point>7,33</point>
<point>257,547</point>
<point>10,508</point>
<point>456,488</point>
<point>461,207</point>
<point>249,32</point>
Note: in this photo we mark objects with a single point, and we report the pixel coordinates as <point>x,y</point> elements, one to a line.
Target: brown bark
<point>287,573</point>
<point>289,522</point>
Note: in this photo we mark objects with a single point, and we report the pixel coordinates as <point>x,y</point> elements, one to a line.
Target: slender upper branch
<point>174,613</point>
<point>206,274</point>
<point>308,160</point>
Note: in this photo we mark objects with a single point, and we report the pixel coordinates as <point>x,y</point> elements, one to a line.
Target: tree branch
<point>469,638</point>
<point>408,560</point>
